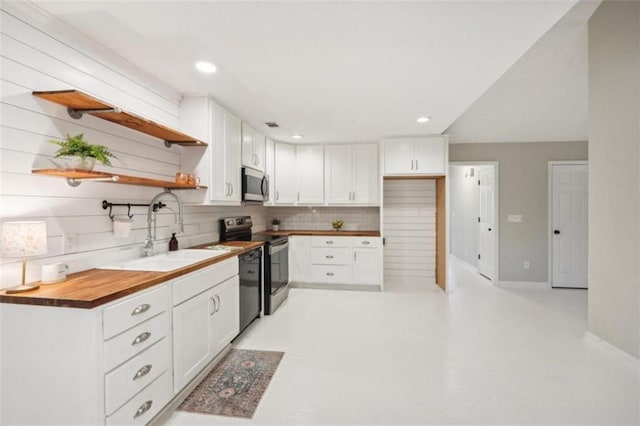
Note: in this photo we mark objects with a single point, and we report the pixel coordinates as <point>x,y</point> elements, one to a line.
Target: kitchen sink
<point>166,261</point>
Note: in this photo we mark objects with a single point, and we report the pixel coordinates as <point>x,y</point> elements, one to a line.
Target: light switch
<point>515,218</point>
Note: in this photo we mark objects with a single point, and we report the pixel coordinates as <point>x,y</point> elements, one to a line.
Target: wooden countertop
<point>95,287</point>
<point>329,232</point>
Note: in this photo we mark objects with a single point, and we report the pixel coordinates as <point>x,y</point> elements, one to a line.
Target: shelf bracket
<point>78,113</point>
<point>73,182</point>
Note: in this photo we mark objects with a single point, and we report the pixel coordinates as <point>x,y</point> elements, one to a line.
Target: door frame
<point>550,165</point>
<point>496,205</point>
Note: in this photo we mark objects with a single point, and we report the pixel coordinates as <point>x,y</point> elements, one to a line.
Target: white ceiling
<point>543,97</point>
<point>332,71</point>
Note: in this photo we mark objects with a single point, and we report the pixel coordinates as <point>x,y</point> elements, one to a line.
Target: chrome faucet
<point>147,248</point>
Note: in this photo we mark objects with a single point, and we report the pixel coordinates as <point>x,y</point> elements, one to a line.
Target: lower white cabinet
<point>336,260</point>
<point>206,321</point>
<point>119,363</point>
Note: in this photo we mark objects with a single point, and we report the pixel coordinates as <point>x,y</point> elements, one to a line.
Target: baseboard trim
<point>615,351</point>
<point>331,286</point>
<point>523,284</point>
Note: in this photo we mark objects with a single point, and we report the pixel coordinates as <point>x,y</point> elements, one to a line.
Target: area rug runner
<point>236,385</point>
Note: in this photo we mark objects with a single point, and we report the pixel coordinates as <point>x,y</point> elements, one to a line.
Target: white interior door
<point>569,225</point>
<point>486,222</point>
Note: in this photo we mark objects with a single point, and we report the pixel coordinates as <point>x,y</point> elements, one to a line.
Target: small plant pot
<point>337,228</point>
<point>79,163</point>
<point>275,227</point>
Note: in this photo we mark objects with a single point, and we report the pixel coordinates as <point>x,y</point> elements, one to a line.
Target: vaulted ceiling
<point>354,71</point>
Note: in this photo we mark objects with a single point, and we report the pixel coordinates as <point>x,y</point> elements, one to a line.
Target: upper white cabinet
<point>426,155</point>
<point>285,174</point>
<point>217,165</point>
<point>270,163</point>
<point>253,148</point>
<point>309,174</point>
<point>351,174</point>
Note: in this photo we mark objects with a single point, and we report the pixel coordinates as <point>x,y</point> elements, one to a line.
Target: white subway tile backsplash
<point>320,218</point>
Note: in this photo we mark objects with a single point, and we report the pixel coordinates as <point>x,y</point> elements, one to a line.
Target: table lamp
<point>22,239</point>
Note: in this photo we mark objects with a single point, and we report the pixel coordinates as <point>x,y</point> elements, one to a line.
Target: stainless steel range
<point>276,259</point>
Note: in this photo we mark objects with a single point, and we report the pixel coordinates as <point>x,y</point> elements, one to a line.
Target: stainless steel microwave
<point>255,186</point>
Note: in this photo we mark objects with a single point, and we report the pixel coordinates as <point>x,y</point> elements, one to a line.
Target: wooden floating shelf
<point>79,103</point>
<point>75,175</point>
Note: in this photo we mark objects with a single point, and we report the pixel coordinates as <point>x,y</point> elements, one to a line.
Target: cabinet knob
<point>143,409</point>
<point>140,309</point>
<point>142,372</point>
<point>141,338</point>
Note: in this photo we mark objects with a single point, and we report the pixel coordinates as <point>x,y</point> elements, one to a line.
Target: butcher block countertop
<point>95,287</point>
<point>330,233</point>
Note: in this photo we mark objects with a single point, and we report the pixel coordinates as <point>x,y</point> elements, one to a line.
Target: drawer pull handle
<point>329,242</point>
<point>329,256</point>
<point>142,372</point>
<point>366,243</point>
<point>141,338</point>
<point>330,274</point>
<point>140,309</point>
<point>143,409</point>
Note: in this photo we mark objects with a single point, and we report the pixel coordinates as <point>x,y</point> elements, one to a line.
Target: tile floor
<point>411,355</point>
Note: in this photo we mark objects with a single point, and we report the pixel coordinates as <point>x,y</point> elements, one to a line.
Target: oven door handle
<point>276,249</point>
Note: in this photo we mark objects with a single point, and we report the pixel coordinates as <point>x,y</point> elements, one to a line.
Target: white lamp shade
<point>20,239</point>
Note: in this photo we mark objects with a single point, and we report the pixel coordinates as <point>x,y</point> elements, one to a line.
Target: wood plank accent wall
<point>35,56</point>
<point>409,222</point>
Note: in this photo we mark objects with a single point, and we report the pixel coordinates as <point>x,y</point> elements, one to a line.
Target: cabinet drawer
<point>133,376</point>
<point>133,341</point>
<point>331,256</point>
<point>188,286</point>
<point>331,273</point>
<point>133,311</point>
<point>146,404</point>
<point>330,241</point>
<point>366,242</point>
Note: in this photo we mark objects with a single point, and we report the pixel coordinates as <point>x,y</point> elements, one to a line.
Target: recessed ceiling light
<point>423,119</point>
<point>296,136</point>
<point>206,67</point>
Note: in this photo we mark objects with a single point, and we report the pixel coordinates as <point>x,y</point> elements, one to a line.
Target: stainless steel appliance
<point>255,186</point>
<point>275,282</point>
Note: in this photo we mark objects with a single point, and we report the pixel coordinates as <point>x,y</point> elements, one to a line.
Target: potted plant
<point>337,224</point>
<point>80,154</point>
<point>275,224</point>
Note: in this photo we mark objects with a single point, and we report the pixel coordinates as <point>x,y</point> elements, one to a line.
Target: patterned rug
<point>236,385</point>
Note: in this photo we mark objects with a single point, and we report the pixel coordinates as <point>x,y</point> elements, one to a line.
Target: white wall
<point>614,174</point>
<point>40,54</point>
<point>463,215</point>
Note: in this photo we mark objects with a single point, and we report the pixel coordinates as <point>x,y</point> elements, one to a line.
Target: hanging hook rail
<point>110,206</point>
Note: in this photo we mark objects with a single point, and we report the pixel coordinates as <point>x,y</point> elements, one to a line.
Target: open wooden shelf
<point>74,175</point>
<point>79,103</point>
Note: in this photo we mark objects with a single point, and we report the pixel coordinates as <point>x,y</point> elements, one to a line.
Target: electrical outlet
<point>69,242</point>
<point>526,264</point>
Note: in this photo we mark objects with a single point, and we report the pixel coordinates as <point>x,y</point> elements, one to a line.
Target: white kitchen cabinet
<point>87,366</point>
<point>285,174</point>
<point>425,155</point>
<point>299,253</point>
<point>270,162</point>
<point>253,148</point>
<point>351,174</point>
<point>352,261</point>
<point>226,315</point>
<point>217,165</point>
<point>205,317</point>
<point>309,174</point>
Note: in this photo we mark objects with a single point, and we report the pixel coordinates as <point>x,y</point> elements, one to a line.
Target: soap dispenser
<point>173,243</point>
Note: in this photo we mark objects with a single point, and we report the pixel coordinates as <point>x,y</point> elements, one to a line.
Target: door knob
<point>556,231</point>
<point>489,229</point>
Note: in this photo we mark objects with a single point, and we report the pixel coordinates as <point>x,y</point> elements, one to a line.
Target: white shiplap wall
<point>409,221</point>
<point>38,53</point>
